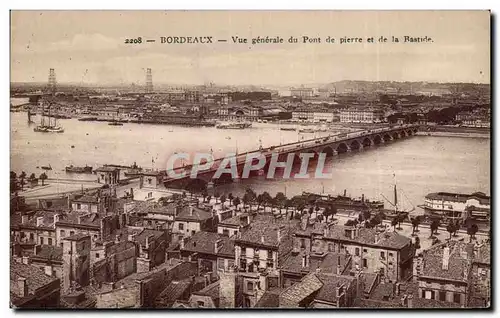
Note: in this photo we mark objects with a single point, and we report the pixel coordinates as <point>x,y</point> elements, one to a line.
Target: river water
<point>421,164</point>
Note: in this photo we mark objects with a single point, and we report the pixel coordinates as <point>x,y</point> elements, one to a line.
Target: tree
<point>230,198</point>
<point>236,201</point>
<point>280,199</point>
<point>222,199</point>
<point>22,178</point>
<point>415,222</point>
<point>327,212</point>
<point>311,210</point>
<point>246,200</point>
<point>204,194</point>
<point>43,177</point>
<point>184,195</point>
<point>434,227</point>
<point>472,230</point>
<point>320,217</point>
<point>260,200</point>
<point>267,199</point>
<point>394,222</point>
<point>366,214</point>
<point>13,175</point>
<point>351,222</point>
<point>251,195</point>
<point>316,209</point>
<point>401,217</point>
<point>450,228</point>
<point>216,196</point>
<point>209,198</point>
<point>32,177</point>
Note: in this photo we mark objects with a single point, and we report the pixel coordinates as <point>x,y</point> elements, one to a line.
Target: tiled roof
<point>270,299</point>
<point>197,215</point>
<point>235,220</point>
<point>293,295</point>
<point>326,262</point>
<point>143,235</point>
<point>390,240</point>
<point>172,292</point>
<point>457,262</point>
<point>264,231</point>
<point>330,283</point>
<point>35,277</point>
<point>76,237</point>
<point>204,242</point>
<point>211,290</point>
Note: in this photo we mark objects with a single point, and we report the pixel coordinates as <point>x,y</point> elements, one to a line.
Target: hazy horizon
<point>88,47</point>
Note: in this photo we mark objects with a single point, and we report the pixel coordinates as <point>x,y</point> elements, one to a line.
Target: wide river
<point>421,164</point>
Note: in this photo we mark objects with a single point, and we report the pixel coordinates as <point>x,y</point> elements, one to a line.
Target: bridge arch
<point>342,148</point>
<point>376,140</point>
<point>403,133</point>
<point>396,135</point>
<point>387,137</point>
<point>328,151</point>
<point>355,145</point>
<point>367,142</point>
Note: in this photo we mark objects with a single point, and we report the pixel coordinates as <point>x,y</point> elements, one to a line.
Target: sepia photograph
<point>250,159</point>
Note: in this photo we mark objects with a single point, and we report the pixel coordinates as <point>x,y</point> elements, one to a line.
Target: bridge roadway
<point>332,145</point>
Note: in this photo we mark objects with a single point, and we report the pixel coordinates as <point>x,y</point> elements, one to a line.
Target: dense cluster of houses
<point>95,250</point>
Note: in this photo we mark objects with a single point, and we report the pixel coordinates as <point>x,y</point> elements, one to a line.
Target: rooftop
<point>35,278</point>
<point>193,214</point>
<point>205,242</point>
<point>459,197</point>
<point>458,261</point>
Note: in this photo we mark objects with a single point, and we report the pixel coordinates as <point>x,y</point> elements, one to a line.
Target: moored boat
<point>233,125</point>
<point>73,169</point>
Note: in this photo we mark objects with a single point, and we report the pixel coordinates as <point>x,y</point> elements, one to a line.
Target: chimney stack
<point>191,210</point>
<point>363,197</point>
<point>446,257</point>
<point>39,221</point>
<point>182,243</point>
<point>262,239</point>
<point>339,267</point>
<point>22,287</point>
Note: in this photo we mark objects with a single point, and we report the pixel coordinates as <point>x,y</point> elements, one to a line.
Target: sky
<point>89,47</point>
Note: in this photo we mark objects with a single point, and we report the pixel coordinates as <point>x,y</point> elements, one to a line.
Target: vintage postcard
<point>250,159</point>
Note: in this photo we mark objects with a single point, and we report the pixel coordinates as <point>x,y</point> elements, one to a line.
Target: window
<point>330,247</point>
<point>97,255</point>
<point>200,303</point>
<point>457,298</point>
<point>50,241</point>
<point>302,243</point>
<point>365,262</point>
<point>225,232</point>
<point>32,237</point>
<point>220,264</point>
<point>357,251</point>
<point>382,255</point>
<point>181,226</point>
<point>78,206</point>
<point>365,250</point>
<point>71,233</point>
<point>442,295</point>
<point>390,254</point>
<point>62,233</point>
<point>250,287</point>
<point>193,232</point>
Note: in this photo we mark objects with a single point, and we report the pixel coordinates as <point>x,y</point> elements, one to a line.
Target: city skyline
<point>95,53</point>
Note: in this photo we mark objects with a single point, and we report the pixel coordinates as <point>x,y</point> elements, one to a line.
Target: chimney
<point>216,245</point>
<point>25,219</point>
<point>398,289</point>
<point>149,240</point>
<point>117,239</point>
<point>131,237</point>
<point>25,260</point>
<point>191,210</point>
<point>446,257</point>
<point>377,237</point>
<point>57,218</point>
<point>305,261</point>
<point>182,243</point>
<point>339,267</point>
<point>22,287</point>
<point>39,221</point>
<point>410,301</point>
<point>345,191</point>
<point>325,232</point>
<point>132,193</point>
<point>37,249</point>
<point>363,197</point>
<point>262,239</point>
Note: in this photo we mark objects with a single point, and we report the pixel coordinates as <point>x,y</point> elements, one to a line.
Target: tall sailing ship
<point>48,127</point>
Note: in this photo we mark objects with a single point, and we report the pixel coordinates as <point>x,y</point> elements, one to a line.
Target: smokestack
<point>446,258</point>
<point>363,197</point>
<point>345,192</point>
<point>22,287</point>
